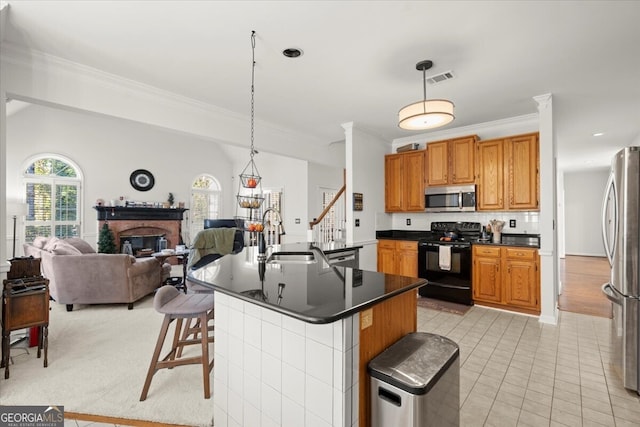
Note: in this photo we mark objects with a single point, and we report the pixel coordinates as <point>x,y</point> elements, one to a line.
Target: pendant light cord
<point>253,72</point>
<point>424,84</point>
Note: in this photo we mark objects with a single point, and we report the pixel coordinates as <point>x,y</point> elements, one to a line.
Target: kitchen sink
<point>291,258</point>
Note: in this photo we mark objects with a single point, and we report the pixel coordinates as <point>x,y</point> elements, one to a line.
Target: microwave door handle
<point>460,200</point>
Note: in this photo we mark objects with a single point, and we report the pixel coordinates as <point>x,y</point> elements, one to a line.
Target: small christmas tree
<point>106,241</point>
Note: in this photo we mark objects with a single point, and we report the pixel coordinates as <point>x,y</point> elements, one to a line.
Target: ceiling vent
<point>439,78</point>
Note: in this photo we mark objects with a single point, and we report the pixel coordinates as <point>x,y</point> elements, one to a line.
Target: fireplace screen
<point>142,245</point>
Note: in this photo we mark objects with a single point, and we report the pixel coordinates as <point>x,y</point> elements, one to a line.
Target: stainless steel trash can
<point>416,382</point>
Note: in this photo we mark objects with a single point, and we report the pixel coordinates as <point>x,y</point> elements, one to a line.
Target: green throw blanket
<point>211,241</point>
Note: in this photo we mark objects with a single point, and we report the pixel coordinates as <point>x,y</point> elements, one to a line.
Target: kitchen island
<point>293,338</point>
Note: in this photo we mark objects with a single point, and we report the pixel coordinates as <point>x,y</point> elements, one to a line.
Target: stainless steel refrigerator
<point>621,235</point>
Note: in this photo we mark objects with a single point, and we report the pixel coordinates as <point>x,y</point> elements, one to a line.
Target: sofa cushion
<point>63,248</point>
<point>51,243</point>
<point>80,245</point>
<point>40,241</point>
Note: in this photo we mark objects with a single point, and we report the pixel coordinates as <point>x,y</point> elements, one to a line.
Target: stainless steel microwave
<point>460,198</point>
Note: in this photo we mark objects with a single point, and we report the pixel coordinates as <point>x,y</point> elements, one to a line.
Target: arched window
<point>52,194</point>
<point>205,202</point>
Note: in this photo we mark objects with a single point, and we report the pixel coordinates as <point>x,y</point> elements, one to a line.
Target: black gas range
<point>444,259</point>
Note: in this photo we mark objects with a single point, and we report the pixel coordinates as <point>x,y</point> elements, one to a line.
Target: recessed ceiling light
<point>292,52</point>
<point>598,134</point>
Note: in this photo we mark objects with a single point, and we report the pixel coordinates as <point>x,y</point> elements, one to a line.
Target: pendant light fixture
<point>428,113</point>
<point>249,195</point>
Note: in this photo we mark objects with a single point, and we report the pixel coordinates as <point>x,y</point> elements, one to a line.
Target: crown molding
<point>529,121</point>
<point>44,62</point>
<point>32,58</point>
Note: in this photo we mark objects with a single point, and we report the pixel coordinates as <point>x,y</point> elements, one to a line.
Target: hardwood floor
<point>582,277</point>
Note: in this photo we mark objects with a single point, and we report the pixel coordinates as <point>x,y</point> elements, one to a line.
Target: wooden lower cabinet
<point>507,277</point>
<point>487,277</point>
<point>398,257</point>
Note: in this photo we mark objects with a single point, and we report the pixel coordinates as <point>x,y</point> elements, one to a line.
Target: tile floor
<point>515,371</point>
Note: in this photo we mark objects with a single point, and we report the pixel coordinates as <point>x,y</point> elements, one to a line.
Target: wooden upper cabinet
<point>508,176</point>
<point>523,156</point>
<point>393,183</point>
<point>404,181</point>
<point>438,163</point>
<point>414,181</point>
<point>462,156</point>
<point>490,179</point>
<point>451,162</point>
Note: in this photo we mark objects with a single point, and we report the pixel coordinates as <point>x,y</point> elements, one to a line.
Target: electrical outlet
<point>357,222</point>
<point>512,223</point>
<point>408,221</point>
<point>297,220</point>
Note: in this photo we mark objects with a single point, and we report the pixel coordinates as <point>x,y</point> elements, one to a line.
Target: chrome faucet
<point>279,215</point>
<point>262,247</point>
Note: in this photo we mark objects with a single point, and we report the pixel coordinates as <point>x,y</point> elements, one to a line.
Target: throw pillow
<point>62,248</point>
<point>51,244</point>
<point>80,245</point>
<point>40,241</point>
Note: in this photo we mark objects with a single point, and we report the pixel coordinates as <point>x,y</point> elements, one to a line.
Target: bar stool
<point>195,328</point>
<point>177,306</point>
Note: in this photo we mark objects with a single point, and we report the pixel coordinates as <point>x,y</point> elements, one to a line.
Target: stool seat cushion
<point>169,300</point>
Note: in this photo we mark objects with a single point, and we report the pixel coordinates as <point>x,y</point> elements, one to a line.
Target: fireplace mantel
<point>117,213</point>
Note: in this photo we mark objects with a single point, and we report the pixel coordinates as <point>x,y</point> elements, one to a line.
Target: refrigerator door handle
<point>610,188</point>
<point>615,295</point>
<point>612,294</point>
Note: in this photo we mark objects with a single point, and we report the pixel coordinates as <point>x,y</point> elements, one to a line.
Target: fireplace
<point>142,226</point>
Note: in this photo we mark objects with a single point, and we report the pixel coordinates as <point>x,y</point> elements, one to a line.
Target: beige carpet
<point>98,360</point>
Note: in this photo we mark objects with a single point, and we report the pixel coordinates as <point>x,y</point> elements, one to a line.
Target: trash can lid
<point>415,362</point>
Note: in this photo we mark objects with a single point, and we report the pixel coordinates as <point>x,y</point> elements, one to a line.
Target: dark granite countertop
<point>305,247</point>
<point>520,240</point>
<point>508,239</point>
<point>313,293</point>
<point>402,234</point>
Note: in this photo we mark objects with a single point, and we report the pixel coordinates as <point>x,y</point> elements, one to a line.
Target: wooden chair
<point>177,306</point>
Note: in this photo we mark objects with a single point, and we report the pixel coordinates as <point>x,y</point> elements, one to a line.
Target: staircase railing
<point>333,227</point>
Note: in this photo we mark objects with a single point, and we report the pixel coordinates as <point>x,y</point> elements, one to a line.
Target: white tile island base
<point>274,370</point>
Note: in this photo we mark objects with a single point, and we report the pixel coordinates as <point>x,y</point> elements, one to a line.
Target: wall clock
<point>142,180</point>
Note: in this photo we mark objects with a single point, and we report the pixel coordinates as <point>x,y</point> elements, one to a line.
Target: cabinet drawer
<point>387,244</point>
<point>407,246</point>
<point>488,251</point>
<point>520,253</point>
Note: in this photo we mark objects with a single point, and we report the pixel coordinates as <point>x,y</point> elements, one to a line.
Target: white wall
<point>583,193</point>
<point>365,174</point>
<point>107,150</point>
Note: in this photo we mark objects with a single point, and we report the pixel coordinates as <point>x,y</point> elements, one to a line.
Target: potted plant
<point>170,199</point>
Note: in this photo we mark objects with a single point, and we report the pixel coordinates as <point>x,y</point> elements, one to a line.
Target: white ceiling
<point>359,59</point>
